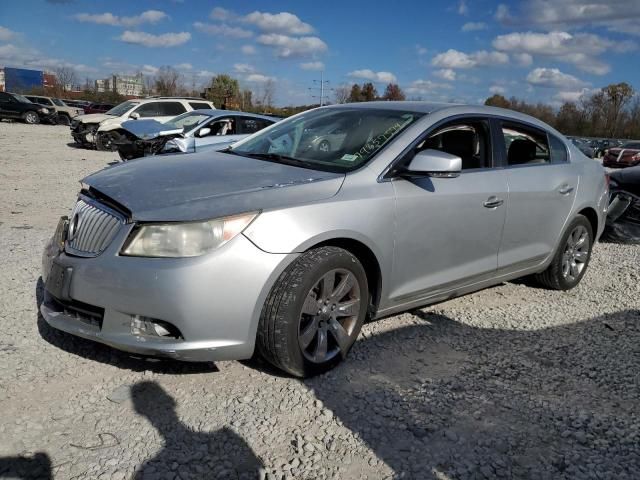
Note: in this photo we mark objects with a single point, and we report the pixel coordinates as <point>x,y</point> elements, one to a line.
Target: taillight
<point>636,157</point>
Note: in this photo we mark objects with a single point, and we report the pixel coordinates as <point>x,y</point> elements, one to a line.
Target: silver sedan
<point>284,249</point>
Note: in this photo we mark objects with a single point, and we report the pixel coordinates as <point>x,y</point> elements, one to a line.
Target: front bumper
<point>214,300</point>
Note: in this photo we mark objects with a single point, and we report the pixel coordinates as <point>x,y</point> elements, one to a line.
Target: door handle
<point>565,189</point>
<point>493,202</point>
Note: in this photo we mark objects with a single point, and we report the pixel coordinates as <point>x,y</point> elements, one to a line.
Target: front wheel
<point>107,141</point>
<point>64,120</point>
<point>570,261</point>
<point>314,312</point>
<point>31,118</point>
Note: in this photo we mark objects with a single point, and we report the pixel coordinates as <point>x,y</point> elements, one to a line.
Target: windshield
<point>121,109</point>
<point>632,145</point>
<point>21,98</point>
<point>335,139</point>
<point>187,121</point>
<point>59,102</point>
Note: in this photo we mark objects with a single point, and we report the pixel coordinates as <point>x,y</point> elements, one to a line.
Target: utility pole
<point>320,86</point>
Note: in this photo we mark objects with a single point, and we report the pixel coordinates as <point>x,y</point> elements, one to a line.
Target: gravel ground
<point>510,382</point>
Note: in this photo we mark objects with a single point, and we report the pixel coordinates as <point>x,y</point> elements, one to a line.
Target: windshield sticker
<point>350,158</point>
<point>377,142</point>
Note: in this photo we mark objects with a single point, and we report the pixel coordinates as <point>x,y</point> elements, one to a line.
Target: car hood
<point>209,185</point>
<point>93,117</point>
<point>149,129</point>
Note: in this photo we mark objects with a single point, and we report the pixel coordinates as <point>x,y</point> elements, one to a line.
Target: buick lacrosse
<point>281,247</point>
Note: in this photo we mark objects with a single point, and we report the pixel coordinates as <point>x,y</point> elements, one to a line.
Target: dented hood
<point>209,185</point>
<point>148,129</point>
<point>93,117</point>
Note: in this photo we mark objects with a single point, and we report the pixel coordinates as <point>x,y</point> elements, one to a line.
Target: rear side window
<point>150,109</point>
<point>558,150</point>
<point>171,109</point>
<point>247,125</point>
<point>199,106</point>
<point>525,145</point>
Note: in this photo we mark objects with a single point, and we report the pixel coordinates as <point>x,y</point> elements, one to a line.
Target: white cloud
<point>380,77</point>
<point>6,34</point>
<point>258,78</point>
<point>21,56</point>
<point>149,16</point>
<point>503,14</point>
<point>497,89</point>
<point>184,66</point>
<point>148,69</point>
<point>243,68</point>
<point>150,40</point>
<point>425,87</point>
<point>223,30</point>
<point>219,13</point>
<point>580,49</point>
<point>454,59</point>
<point>474,26</point>
<point>523,59</point>
<point>284,23</point>
<point>446,74</point>
<point>574,96</point>
<point>286,46</point>
<point>553,78</point>
<point>314,66</point>
<point>463,9</point>
<point>248,49</point>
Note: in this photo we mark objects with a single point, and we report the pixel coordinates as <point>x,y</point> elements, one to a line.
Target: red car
<point>621,157</point>
<point>98,108</point>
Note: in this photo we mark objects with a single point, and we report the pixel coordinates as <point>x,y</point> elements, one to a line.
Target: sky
<point>452,50</point>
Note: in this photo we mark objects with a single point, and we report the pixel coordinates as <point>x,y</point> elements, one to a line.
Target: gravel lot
<point>510,382</point>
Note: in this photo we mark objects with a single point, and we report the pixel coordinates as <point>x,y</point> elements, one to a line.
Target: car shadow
<point>104,354</point>
<point>37,466</point>
<point>439,399</point>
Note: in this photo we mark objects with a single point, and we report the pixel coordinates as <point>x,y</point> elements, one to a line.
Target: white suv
<point>102,129</point>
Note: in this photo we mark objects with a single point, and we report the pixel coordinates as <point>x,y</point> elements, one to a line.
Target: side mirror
<point>135,115</point>
<point>203,132</point>
<point>433,163</point>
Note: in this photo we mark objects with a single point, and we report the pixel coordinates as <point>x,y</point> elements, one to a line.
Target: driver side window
<point>467,139</point>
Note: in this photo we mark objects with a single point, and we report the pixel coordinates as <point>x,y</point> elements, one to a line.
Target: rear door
<point>542,188</point>
<point>8,106</point>
<point>448,230</point>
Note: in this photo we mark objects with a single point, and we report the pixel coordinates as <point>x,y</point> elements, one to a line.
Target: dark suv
<point>17,107</point>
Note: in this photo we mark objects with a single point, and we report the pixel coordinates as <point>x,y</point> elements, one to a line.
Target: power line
<point>320,85</point>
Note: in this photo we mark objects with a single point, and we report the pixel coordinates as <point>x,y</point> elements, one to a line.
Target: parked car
<point>584,147</point>
<point>274,246</point>
<point>187,133</point>
<point>623,215</point>
<point>621,157</point>
<point>83,104</point>
<point>65,112</point>
<point>101,129</point>
<point>98,108</point>
<point>14,106</point>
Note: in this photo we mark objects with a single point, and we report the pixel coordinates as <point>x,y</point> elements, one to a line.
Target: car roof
<point>224,113</point>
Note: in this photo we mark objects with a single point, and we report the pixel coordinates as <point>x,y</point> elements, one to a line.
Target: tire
<point>324,146</point>
<point>570,262</point>
<point>64,120</point>
<point>31,118</point>
<point>295,315</point>
<point>104,141</point>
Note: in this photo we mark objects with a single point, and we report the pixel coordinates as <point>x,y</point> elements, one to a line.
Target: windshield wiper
<point>277,158</point>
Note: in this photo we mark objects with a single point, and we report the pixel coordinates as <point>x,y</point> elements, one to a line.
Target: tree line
<point>611,112</point>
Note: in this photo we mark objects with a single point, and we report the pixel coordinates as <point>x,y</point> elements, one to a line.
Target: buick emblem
<point>73,226</point>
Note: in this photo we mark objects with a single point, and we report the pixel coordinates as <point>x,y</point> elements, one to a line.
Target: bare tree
<point>342,93</point>
<point>66,78</point>
<point>267,93</point>
<point>168,82</point>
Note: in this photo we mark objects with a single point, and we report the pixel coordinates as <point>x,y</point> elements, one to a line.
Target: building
<point>1,79</point>
<point>127,85</point>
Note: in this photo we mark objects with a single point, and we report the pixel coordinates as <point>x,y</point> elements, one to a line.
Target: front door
<point>448,230</point>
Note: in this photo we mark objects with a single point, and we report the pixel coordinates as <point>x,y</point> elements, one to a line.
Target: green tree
<point>617,97</point>
<point>497,100</point>
<point>356,94</point>
<point>222,90</point>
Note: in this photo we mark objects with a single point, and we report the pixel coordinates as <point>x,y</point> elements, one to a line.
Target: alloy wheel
<point>329,316</point>
<point>576,253</point>
<point>31,117</point>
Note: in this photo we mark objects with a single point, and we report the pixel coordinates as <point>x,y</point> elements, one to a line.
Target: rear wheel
<point>31,118</point>
<point>570,261</point>
<point>314,312</point>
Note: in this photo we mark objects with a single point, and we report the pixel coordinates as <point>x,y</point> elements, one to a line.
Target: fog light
<point>153,328</point>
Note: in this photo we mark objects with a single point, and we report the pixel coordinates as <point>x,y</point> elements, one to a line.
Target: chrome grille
<point>92,227</point>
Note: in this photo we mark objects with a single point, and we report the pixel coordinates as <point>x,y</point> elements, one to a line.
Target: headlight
<point>185,239</point>
<point>44,110</point>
